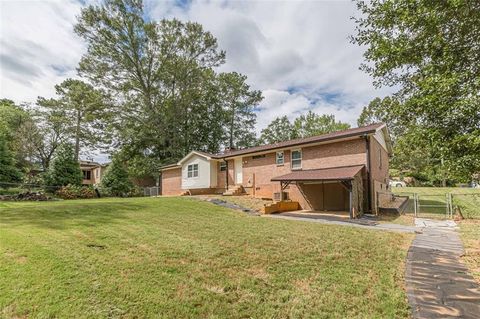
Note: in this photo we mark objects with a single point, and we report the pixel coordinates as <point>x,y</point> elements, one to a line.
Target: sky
<point>297,53</point>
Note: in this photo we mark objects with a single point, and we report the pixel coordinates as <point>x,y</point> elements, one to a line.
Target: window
<point>87,175</point>
<point>192,170</point>
<point>258,156</point>
<point>97,172</point>
<point>223,166</point>
<point>279,158</point>
<point>296,159</point>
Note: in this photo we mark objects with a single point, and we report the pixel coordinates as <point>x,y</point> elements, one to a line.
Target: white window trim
<point>224,164</point>
<point>283,158</point>
<point>193,170</point>
<point>301,158</point>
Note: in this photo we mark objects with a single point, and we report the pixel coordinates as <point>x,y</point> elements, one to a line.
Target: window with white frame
<point>296,159</point>
<point>279,158</point>
<point>192,170</point>
<point>223,166</point>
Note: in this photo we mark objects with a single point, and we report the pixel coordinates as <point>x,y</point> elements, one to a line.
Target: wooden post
<point>350,193</point>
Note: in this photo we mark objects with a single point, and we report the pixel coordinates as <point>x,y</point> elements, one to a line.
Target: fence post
<point>415,204</point>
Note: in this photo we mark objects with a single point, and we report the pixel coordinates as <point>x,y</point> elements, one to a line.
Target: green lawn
<point>467,199</point>
<point>180,258</point>
<point>470,234</point>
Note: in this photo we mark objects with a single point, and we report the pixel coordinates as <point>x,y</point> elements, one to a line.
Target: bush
<point>76,192</point>
<point>116,182</point>
<point>65,169</point>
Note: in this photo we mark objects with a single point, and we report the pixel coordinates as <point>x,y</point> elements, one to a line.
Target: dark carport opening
<point>329,189</point>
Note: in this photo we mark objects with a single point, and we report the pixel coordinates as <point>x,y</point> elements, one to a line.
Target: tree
<point>8,172</point>
<point>12,118</point>
<point>312,124</point>
<point>239,102</point>
<point>430,51</point>
<point>83,112</point>
<point>116,180</point>
<point>65,168</point>
<point>280,129</point>
<point>160,72</point>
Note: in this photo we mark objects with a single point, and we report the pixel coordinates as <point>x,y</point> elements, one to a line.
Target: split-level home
<point>340,171</point>
<point>92,172</point>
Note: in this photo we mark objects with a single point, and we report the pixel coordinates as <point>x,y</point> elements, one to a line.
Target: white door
<point>238,171</point>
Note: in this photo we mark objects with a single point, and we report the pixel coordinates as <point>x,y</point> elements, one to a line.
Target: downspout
<point>226,173</point>
<point>369,178</point>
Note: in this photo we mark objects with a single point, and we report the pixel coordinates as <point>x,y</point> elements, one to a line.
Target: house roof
<point>325,174</point>
<point>358,131</point>
<point>353,132</point>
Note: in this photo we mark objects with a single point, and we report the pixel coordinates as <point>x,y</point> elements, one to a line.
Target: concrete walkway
<point>438,283</point>
<point>360,223</point>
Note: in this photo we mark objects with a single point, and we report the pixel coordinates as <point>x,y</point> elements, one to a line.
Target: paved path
<point>361,223</point>
<point>438,283</point>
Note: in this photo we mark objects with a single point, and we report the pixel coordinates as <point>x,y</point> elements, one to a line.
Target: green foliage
<point>116,181</point>
<point>76,192</point>
<point>280,129</point>
<point>83,112</point>
<point>8,172</point>
<point>310,124</point>
<point>65,169</point>
<point>429,50</point>
<point>169,99</point>
<point>239,102</point>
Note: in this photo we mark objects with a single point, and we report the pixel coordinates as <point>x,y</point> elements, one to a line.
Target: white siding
<point>203,178</point>
<point>213,173</point>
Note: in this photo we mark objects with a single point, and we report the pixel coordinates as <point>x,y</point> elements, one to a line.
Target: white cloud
<point>297,53</point>
<point>38,48</point>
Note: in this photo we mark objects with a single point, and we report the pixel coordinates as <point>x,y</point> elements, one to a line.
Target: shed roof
<point>325,174</point>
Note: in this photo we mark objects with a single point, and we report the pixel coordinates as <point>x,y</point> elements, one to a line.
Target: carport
<point>337,189</point>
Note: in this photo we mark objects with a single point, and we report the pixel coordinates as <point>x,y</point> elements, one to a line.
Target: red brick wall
<point>258,172</point>
<point>172,181</point>
<point>378,169</point>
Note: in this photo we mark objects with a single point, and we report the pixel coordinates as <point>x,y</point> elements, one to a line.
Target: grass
<point>467,199</point>
<point>183,258</point>
<point>470,234</point>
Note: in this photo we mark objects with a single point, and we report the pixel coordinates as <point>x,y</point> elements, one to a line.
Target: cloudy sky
<point>296,52</point>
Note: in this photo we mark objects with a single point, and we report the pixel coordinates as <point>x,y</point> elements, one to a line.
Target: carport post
<point>350,195</point>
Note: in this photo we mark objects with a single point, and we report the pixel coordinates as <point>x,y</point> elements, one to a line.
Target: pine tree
<point>8,172</point>
<point>116,181</point>
<point>65,169</point>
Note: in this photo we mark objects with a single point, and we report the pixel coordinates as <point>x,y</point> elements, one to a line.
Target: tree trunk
<point>77,136</point>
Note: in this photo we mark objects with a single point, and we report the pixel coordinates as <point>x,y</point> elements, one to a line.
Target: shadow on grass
<point>69,214</point>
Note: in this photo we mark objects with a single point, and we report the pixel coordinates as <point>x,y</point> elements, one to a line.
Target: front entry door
<point>238,171</point>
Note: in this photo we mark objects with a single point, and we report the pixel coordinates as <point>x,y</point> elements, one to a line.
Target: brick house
<point>92,172</point>
<point>340,171</point>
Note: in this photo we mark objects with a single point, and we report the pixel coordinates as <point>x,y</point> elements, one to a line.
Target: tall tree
<point>239,102</point>
<point>430,51</point>
<point>85,112</point>
<point>160,72</point>
<point>65,168</point>
<point>8,172</point>
<point>280,129</point>
<point>311,124</point>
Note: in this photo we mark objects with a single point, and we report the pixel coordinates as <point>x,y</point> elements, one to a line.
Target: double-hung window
<point>192,170</point>
<point>223,166</point>
<point>296,159</point>
<point>279,158</point>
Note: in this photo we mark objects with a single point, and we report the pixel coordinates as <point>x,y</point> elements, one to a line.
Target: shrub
<point>75,192</point>
<point>65,169</point>
<point>116,182</point>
